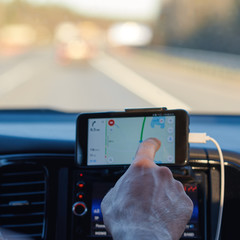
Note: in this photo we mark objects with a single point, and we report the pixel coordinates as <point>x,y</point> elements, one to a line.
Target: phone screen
<point>114,141</point>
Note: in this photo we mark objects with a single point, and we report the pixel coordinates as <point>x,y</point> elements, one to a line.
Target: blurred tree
<point>40,17</point>
<point>202,24</point>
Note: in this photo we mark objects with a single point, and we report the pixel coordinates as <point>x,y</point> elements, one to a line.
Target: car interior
<point>60,61</point>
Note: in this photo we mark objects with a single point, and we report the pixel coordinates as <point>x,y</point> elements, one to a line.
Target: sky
<point>134,9</point>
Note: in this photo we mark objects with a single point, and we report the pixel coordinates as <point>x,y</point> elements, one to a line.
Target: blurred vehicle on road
<point>73,44</point>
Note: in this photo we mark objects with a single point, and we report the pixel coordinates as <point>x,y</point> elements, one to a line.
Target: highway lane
<point>117,81</point>
<point>205,87</point>
<point>39,80</point>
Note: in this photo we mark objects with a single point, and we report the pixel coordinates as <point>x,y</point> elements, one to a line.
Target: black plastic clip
<point>135,110</point>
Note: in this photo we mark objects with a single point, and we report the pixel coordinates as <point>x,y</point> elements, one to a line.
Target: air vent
<point>22,201</point>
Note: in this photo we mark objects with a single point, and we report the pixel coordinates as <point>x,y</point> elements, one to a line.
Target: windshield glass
<point>78,55</point>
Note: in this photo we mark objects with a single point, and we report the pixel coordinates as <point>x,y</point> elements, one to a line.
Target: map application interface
<point>114,141</point>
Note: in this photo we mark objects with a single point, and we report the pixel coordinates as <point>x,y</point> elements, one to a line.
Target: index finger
<point>147,150</point>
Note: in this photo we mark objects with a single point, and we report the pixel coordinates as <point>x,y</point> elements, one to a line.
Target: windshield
<point>78,55</point>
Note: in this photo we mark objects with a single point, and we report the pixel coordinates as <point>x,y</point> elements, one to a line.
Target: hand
<point>146,202</point>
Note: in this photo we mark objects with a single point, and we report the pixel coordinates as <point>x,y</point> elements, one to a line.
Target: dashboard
<point>44,194</point>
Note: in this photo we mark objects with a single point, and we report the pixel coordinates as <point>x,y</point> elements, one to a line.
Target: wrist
<point>130,233</point>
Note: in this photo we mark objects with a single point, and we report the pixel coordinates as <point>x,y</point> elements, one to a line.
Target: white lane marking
<point>15,77</point>
<point>136,84</point>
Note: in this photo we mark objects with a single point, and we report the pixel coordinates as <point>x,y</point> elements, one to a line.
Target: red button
<point>81,184</point>
<point>111,122</point>
<point>80,196</point>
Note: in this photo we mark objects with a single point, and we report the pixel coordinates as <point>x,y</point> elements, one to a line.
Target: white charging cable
<point>203,138</point>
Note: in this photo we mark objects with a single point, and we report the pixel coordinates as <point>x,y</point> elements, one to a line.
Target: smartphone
<point>112,138</point>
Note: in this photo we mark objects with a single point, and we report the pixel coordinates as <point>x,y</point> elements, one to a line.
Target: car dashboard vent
<point>22,202</point>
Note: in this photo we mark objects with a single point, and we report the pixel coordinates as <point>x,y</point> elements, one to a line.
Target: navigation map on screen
<point>114,141</point>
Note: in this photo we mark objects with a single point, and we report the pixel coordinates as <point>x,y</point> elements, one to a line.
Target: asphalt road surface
<point>118,80</point>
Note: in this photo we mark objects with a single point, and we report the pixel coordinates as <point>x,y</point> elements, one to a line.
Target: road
<point>118,80</point>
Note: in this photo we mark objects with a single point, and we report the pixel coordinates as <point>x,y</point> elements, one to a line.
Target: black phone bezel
<point>181,133</point>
